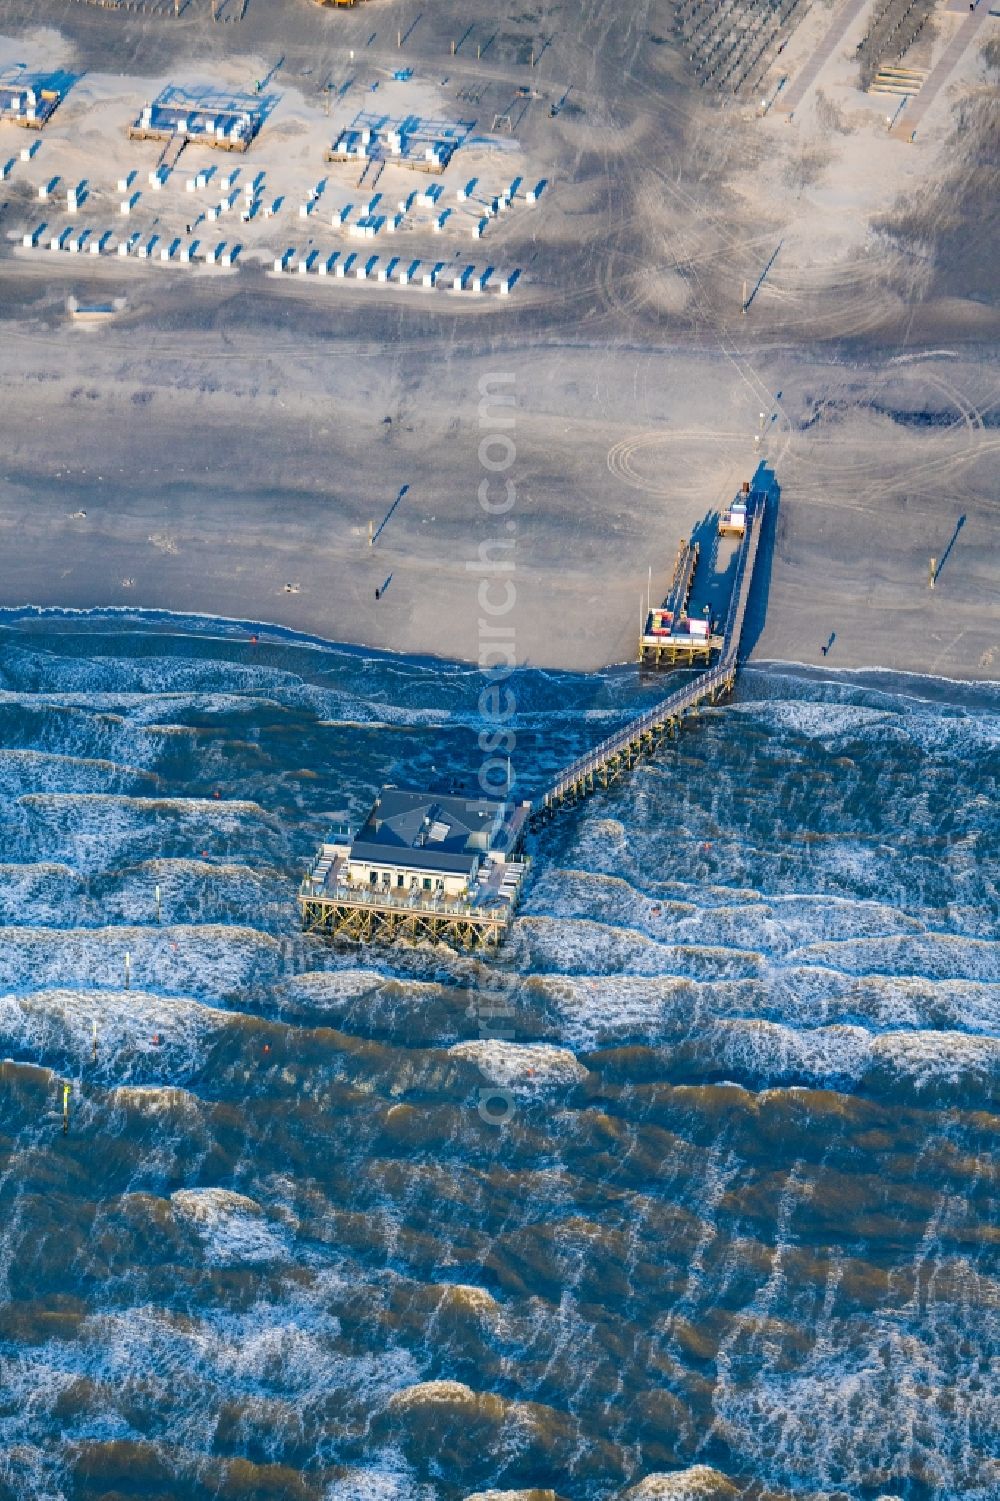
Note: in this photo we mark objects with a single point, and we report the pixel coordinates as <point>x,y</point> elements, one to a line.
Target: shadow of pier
<point>764,483</point>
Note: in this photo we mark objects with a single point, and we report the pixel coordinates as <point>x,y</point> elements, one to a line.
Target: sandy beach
<point>225,442</point>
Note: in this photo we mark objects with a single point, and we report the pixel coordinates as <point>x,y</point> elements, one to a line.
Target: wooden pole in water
<point>66,1109</point>
<point>158,907</point>
<point>95,1039</point>
<point>128,970</point>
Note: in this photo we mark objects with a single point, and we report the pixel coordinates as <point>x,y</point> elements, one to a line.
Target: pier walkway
<point>642,736</point>
<point>431,868</point>
<point>679,595</point>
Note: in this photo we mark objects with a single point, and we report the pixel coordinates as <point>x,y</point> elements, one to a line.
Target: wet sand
<point>224,443</point>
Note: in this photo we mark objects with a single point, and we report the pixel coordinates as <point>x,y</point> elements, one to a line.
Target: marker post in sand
<point>932,574</point>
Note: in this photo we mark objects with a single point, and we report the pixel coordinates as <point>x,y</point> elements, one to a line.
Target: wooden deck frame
<point>648,740</point>
<point>152,133</point>
<point>643,736</point>
<point>361,921</point>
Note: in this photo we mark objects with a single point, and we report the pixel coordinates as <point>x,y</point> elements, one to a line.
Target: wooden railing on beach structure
<point>644,735</point>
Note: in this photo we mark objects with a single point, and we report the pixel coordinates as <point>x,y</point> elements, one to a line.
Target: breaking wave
<point>735,1233</point>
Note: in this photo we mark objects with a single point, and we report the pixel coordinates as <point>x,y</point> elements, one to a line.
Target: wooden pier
<point>668,637</point>
<point>673,651</point>
<point>642,737</point>
<point>682,581</point>
<point>413,877</point>
<point>379,919</point>
<point>423,868</point>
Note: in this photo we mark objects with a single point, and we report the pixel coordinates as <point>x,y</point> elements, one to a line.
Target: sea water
<point>736,1232</point>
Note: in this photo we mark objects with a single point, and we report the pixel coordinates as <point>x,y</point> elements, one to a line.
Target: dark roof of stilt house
<point>428,831</point>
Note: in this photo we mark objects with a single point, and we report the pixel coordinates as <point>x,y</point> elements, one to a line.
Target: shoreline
<point>280,542</point>
<point>200,627</point>
<point>224,447</point>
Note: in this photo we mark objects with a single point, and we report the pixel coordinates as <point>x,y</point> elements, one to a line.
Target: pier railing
<point>707,684</point>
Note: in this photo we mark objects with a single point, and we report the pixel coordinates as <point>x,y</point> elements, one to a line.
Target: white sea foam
<point>767,1053</point>
<point>44,892</point>
<point>230,814</point>
<point>175,1371</point>
<point>192,892</point>
<point>591,947</point>
<point>798,1023</point>
<point>82,736</point>
<point>34,1387</point>
<point>33,771</point>
<point>521,1066</point>
<point>434,1394</point>
<point>475,1298</point>
<point>763,1052</point>
<point>378,1482</point>
<point>939,956</point>
<point>338,989</point>
<point>933,728</point>
<point>519,1495</point>
<point>93,831</point>
<point>206,1206</point>
<point>141,709</point>
<point>885,1396</point>
<point>212,963</point>
<point>697,1483</point>
<point>163,691</point>
<point>820,721</point>
<point>133,1028</point>
<point>231,1226</point>
<point>157,1099</point>
<point>714,917</point>
<point>927,1058</point>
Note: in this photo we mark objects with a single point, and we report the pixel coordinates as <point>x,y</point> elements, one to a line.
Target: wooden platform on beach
<point>380,919</point>
<point>642,737</point>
